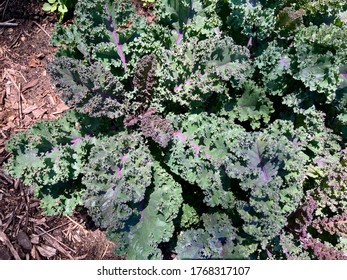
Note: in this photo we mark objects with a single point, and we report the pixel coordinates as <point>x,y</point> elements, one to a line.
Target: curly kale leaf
<point>101,32</point>
<point>91,89</point>
<point>156,223</point>
<point>188,18</point>
<point>289,20</point>
<point>200,145</point>
<point>321,10</point>
<point>252,20</point>
<point>201,68</point>
<point>291,248</point>
<point>320,52</point>
<point>329,172</point>
<point>269,166</point>
<point>51,156</point>
<point>190,217</point>
<point>252,106</point>
<point>117,175</point>
<point>181,12</point>
<point>274,65</point>
<point>213,242</point>
<point>157,128</point>
<point>144,78</point>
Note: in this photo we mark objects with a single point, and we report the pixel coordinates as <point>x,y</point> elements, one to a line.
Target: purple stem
<point>118,174</point>
<point>180,135</point>
<point>75,141</point>
<point>115,37</point>
<point>179,39</point>
<point>262,165</point>
<point>195,147</point>
<point>208,156</point>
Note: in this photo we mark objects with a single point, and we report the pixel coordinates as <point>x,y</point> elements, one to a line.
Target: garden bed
<point>27,96</point>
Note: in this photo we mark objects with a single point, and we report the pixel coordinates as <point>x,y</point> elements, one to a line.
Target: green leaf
<point>49,8</point>
<point>62,9</point>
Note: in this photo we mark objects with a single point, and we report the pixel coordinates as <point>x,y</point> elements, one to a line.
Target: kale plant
<point>210,129</point>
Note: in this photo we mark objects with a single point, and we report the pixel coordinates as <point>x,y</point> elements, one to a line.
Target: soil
<point>26,96</point>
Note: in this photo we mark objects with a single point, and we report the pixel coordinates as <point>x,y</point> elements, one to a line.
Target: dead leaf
<point>4,253</point>
<point>34,62</point>
<point>46,251</point>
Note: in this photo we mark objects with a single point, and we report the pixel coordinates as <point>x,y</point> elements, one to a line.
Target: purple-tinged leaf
<point>183,11</point>
<point>256,161</point>
<point>285,62</point>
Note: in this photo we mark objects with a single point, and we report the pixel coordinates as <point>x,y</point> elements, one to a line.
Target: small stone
<point>24,241</point>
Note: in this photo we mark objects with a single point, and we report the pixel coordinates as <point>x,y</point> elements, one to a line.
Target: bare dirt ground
<point>26,96</point>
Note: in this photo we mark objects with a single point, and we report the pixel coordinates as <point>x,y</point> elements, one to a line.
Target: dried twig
<point>4,11</point>
<point>8,24</point>
<point>15,40</point>
<point>81,257</point>
<point>8,75</point>
<point>16,184</point>
<point>39,26</point>
<point>105,251</point>
<point>45,232</point>
<point>77,224</point>
<point>7,178</point>
<point>20,107</point>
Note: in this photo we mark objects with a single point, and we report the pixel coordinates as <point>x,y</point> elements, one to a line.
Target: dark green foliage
<point>91,89</point>
<point>215,241</point>
<point>51,156</point>
<point>215,128</point>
